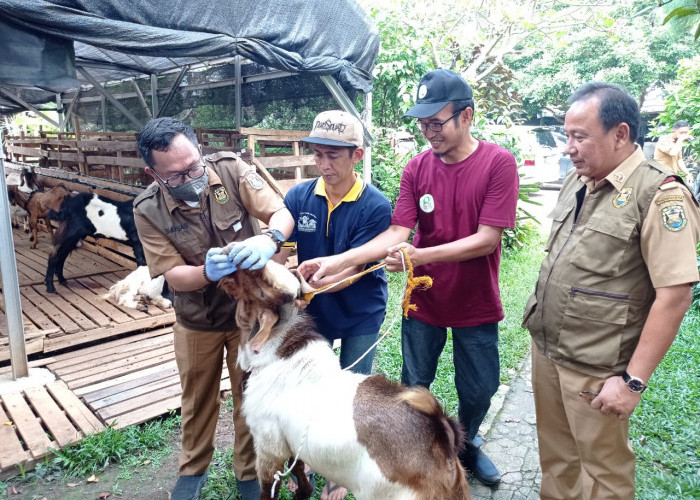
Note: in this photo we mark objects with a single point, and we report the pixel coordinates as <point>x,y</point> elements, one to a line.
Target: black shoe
<point>249,490</point>
<point>188,487</point>
<point>479,465</point>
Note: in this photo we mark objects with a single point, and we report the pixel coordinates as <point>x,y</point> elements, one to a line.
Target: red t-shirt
<point>449,202</point>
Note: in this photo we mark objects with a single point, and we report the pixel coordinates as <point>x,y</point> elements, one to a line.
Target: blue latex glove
<point>217,264</point>
<point>253,253</point>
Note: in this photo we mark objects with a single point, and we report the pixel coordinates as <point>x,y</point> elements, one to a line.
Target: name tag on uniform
<point>237,226</point>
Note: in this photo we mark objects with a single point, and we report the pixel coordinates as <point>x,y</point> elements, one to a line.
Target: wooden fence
<point>113,156</point>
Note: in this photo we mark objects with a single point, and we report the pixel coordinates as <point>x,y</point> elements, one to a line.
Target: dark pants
<point>476,362</point>
<point>351,348</point>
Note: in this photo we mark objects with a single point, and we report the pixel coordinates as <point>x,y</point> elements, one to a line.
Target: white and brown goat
<point>379,439</point>
<point>137,289</point>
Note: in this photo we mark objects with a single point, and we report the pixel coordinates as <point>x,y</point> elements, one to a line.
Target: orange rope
<point>422,283</point>
<point>350,279</point>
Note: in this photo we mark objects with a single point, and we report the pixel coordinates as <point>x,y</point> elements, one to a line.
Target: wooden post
<point>82,165</point>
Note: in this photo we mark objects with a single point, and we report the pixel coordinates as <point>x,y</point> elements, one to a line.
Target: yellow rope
<point>422,283</point>
<point>350,279</point>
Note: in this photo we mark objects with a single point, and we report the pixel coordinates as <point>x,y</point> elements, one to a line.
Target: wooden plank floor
<point>119,383</point>
<point>76,314</point>
<point>126,381</point>
<point>39,419</point>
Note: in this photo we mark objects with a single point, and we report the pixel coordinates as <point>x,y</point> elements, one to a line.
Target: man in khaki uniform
<point>609,301</point>
<point>196,206</point>
<point>669,149</point>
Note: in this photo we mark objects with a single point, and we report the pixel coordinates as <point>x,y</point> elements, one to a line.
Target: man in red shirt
<point>461,194</point>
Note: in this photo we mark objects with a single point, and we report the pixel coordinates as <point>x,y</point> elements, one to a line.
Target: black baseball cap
<point>436,90</point>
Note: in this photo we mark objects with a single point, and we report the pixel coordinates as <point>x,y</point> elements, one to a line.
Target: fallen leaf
<point>146,462</point>
<point>73,485</point>
<point>93,479</point>
<point>12,491</point>
<point>104,496</point>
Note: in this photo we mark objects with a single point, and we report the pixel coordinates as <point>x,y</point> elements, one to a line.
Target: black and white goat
<point>88,214</point>
<point>379,439</point>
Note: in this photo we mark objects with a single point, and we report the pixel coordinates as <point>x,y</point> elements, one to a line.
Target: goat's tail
<point>421,399</point>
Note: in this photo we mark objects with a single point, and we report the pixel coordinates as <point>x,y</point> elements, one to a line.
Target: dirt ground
<point>152,482</point>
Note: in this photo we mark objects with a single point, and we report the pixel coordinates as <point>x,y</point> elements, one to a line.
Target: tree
<point>683,103</point>
<point>686,13</point>
<point>630,48</point>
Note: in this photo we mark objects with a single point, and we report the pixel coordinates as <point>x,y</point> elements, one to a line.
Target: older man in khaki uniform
<point>196,206</point>
<point>609,301</point>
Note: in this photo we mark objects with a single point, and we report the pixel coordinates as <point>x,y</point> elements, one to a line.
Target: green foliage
<point>683,103</point>
<point>387,167</point>
<point>663,428</point>
<point>403,59</point>
<point>690,10</point>
<point>696,288</point>
<point>633,50</point>
<point>97,451</point>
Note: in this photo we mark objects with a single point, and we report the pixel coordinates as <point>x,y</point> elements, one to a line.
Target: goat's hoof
<point>143,309</point>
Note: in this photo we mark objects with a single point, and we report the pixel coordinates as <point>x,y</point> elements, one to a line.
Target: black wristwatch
<point>634,384</point>
<point>277,238</point>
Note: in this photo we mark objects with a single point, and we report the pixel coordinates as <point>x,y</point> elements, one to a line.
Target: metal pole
<point>367,159</point>
<point>154,95</point>
<point>237,94</point>
<point>59,112</point>
<point>99,88</point>
<point>10,286</point>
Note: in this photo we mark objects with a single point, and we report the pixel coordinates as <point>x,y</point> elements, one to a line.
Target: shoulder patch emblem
<point>670,197</point>
<point>623,197</point>
<point>221,195</point>
<point>254,180</point>
<point>674,218</point>
<point>426,203</point>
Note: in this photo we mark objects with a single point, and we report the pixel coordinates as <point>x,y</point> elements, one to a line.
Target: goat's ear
<point>305,287</point>
<point>244,320</point>
<point>267,319</point>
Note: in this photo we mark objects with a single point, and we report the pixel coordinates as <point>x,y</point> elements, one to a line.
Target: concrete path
<point>510,440</point>
<point>510,435</point>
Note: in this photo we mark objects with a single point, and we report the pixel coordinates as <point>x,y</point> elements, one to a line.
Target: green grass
<point>664,428</point>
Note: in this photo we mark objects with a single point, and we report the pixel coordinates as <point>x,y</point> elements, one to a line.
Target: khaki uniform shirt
<point>662,153</point>
<point>636,231</point>
<point>173,233</point>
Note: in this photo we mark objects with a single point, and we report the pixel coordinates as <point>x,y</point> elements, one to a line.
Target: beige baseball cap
<point>336,128</point>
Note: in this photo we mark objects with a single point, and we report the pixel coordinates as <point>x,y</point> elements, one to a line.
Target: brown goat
<point>38,206</point>
<point>379,439</point>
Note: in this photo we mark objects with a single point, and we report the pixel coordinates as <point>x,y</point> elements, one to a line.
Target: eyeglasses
<point>435,126</point>
<point>179,178</point>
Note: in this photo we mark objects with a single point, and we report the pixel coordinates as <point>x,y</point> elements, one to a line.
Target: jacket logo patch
<point>254,180</point>
<point>307,223</point>
<point>221,195</point>
<point>623,197</point>
<point>674,217</point>
<point>176,229</point>
<point>427,203</point>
